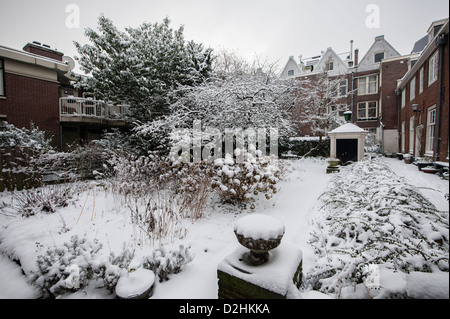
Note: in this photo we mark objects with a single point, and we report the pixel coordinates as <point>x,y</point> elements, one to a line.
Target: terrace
<point>86,110</point>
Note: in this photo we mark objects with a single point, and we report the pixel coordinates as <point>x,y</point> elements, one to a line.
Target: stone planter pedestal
<point>263,267</point>
<point>272,280</point>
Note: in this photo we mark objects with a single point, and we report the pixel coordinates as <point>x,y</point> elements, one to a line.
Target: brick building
<point>381,101</point>
<point>424,99</point>
<point>30,87</point>
<point>35,87</point>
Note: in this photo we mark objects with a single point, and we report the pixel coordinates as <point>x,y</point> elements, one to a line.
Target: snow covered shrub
<point>110,270</point>
<point>164,263</point>
<point>239,182</point>
<point>371,216</point>
<point>46,199</point>
<point>65,268</point>
<point>304,146</point>
<point>32,138</point>
<point>71,266</point>
<point>138,176</point>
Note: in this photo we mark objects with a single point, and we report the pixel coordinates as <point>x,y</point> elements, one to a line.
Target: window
<point>378,57</point>
<point>2,79</point>
<point>367,85</point>
<point>412,89</point>
<point>291,73</point>
<point>338,109</point>
<point>421,80</point>
<point>431,124</point>
<point>403,137</point>
<point>343,88</point>
<point>411,134</point>
<point>329,66</point>
<point>367,111</point>
<point>433,66</point>
<point>403,97</point>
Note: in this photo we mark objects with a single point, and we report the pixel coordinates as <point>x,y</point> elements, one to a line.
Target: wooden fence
<point>16,172</point>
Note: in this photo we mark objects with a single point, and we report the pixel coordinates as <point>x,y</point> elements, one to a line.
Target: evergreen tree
<point>140,66</point>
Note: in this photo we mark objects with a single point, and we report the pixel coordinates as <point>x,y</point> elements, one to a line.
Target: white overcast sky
<point>272,29</point>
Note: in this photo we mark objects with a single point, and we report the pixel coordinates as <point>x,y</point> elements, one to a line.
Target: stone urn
<point>333,162</point>
<point>260,234</point>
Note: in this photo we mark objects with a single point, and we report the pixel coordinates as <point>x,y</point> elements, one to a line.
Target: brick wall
<point>390,72</point>
<point>426,100</point>
<point>29,99</point>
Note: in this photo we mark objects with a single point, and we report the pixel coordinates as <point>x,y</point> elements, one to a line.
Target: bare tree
<point>320,104</point>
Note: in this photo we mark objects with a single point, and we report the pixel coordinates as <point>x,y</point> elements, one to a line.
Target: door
<point>347,150</point>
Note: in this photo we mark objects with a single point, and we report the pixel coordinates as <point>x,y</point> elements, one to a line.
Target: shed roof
<point>348,128</point>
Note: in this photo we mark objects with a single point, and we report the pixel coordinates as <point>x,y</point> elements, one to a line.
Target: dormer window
<point>329,66</point>
<point>378,57</point>
<point>291,73</point>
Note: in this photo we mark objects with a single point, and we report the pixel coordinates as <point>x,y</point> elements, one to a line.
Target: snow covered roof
<point>348,128</point>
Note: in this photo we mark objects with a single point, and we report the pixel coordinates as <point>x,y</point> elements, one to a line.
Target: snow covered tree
<point>140,66</point>
<point>238,100</point>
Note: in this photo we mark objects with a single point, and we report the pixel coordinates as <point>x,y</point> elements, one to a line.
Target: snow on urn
<point>260,234</point>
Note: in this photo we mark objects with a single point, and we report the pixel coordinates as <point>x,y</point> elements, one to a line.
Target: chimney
<point>351,49</point>
<point>356,57</point>
<point>43,50</point>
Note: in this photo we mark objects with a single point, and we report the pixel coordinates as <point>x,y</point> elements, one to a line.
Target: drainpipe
<point>353,94</point>
<point>398,92</point>
<point>441,42</point>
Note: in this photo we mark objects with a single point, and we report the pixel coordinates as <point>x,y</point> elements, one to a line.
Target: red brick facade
<point>425,102</point>
<point>32,99</point>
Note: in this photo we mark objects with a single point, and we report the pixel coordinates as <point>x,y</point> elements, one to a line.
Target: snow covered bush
<point>238,182</point>
<point>368,215</point>
<point>46,199</point>
<point>32,138</point>
<point>65,268</point>
<point>73,265</point>
<point>163,262</point>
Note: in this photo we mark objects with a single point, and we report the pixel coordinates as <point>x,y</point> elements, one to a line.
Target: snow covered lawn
<point>98,216</point>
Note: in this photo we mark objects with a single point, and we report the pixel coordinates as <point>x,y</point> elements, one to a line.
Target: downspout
<point>352,95</point>
<point>398,92</point>
<point>441,42</point>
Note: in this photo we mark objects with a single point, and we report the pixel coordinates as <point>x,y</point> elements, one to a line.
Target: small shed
<point>347,143</point>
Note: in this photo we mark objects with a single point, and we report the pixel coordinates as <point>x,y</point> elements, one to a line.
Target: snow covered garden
<point>152,211</point>
<point>376,213</point>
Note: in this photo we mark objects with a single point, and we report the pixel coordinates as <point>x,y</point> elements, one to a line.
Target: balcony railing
<point>76,109</point>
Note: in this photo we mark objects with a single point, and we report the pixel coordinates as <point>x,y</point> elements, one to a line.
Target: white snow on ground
<point>211,238</point>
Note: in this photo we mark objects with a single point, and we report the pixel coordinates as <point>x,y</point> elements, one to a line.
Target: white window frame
<point>430,134</point>
<point>367,108</point>
<point>412,89</point>
<point>329,66</point>
<point>290,73</point>
<point>433,67</point>
<point>412,120</point>
<point>341,86</point>
<point>364,88</point>
<point>421,80</point>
